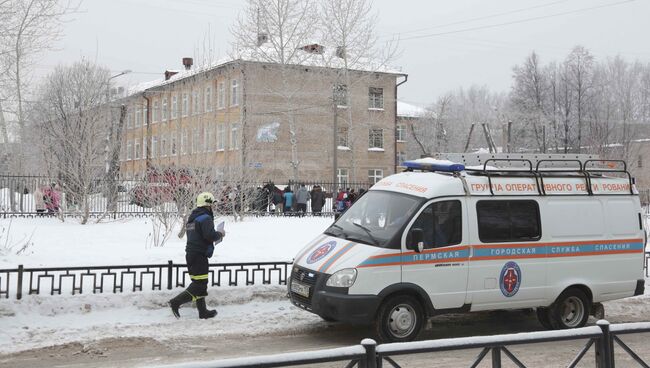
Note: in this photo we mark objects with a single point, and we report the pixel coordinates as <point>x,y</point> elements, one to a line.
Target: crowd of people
<point>299,202</point>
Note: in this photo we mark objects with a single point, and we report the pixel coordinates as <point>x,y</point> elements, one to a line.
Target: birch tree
<point>275,31</point>
<point>349,26</point>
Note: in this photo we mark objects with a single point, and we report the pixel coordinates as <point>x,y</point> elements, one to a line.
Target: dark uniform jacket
<point>201,234</point>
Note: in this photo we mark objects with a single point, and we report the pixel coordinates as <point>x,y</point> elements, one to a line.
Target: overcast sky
<point>444,44</point>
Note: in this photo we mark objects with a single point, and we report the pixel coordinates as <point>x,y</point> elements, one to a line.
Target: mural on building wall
<point>268,133</point>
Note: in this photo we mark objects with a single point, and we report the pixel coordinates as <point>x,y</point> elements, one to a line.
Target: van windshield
<point>375,218</point>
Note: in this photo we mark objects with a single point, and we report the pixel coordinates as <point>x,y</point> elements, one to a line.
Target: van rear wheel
<point>400,318</point>
<point>570,310</point>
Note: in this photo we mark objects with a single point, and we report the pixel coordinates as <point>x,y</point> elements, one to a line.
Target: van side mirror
<point>417,240</point>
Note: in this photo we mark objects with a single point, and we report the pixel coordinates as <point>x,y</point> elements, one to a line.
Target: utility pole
<point>335,144</point>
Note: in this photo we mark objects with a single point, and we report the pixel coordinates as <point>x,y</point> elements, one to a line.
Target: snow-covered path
<point>37,321</point>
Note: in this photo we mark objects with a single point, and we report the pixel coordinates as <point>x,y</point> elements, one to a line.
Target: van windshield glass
<point>375,218</point>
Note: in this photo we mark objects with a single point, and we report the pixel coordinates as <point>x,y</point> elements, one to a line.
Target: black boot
<point>179,300</point>
<point>204,312</point>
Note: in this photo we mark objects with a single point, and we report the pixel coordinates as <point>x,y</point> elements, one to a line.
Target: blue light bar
<point>430,166</point>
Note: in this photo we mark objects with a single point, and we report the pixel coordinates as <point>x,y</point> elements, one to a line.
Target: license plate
<point>300,289</point>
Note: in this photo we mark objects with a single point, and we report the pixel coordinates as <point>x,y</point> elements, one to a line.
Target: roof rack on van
<point>539,166</point>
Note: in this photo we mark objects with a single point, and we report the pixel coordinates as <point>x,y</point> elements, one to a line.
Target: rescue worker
<point>201,237</point>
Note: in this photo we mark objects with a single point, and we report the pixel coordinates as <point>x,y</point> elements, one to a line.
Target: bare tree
<point>430,131</point>
<point>529,95</point>
<point>349,26</point>
<point>33,26</point>
<point>71,120</point>
<point>580,72</point>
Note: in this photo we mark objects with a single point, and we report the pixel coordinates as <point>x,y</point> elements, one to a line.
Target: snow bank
<point>40,321</point>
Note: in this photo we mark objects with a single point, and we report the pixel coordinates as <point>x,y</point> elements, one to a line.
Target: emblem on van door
<point>321,252</point>
<point>510,279</point>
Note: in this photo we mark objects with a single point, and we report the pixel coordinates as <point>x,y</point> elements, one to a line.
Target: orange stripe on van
<point>335,257</point>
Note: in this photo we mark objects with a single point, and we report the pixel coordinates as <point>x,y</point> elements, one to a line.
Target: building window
<point>401,132</point>
<point>195,140</point>
<point>376,138</point>
<point>129,119</point>
<point>174,107</point>
<point>163,145</point>
<point>341,95</point>
<point>154,146</point>
<point>144,147</point>
<point>508,221</point>
<point>129,150</point>
<point>136,154</point>
<point>342,177</point>
<point>234,136</point>
<point>343,137</point>
<point>375,175</point>
<point>173,144</point>
<point>196,102</point>
<point>185,105</point>
<point>184,138</point>
<point>234,93</point>
<point>221,136</point>
<point>206,137</point>
<point>156,112</point>
<point>164,109</point>
<point>221,95</point>
<point>208,99</point>
<point>401,157</point>
<point>138,117</point>
<point>376,98</point>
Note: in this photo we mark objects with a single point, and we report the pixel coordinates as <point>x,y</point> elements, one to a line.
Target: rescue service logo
<point>321,252</point>
<point>510,279</point>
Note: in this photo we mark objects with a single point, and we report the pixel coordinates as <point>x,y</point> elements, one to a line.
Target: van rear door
<point>441,268</point>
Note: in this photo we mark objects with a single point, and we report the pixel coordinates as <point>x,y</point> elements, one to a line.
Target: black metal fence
<point>113,279</point>
<point>24,196</point>
<point>368,354</point>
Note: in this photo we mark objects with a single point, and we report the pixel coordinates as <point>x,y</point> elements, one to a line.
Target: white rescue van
<point>557,235</point>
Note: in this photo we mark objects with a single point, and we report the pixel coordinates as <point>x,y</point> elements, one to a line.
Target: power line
<point>517,21</point>
<point>479,18</point>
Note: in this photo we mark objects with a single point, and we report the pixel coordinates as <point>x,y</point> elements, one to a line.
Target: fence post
<point>370,361</point>
<point>170,268</point>
<point>19,291</point>
<point>605,346</point>
<point>496,357</point>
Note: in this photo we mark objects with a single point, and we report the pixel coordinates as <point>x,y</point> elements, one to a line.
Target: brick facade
<point>239,116</point>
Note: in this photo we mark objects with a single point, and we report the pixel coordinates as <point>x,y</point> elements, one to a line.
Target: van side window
<point>441,223</point>
<point>508,221</point>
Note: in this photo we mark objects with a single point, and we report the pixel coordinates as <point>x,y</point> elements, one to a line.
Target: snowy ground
<point>52,243</point>
<point>38,321</point>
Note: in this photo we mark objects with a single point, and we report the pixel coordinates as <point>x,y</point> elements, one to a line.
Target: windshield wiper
<point>336,227</point>
<point>367,232</point>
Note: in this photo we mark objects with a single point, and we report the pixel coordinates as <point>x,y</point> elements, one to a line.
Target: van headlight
<point>342,278</point>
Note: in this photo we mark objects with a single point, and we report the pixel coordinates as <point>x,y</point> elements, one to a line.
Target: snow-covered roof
<point>410,111</point>
<point>326,60</point>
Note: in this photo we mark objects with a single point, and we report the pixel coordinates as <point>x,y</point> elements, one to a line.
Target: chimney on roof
<point>169,74</point>
<point>187,63</point>
<point>313,48</point>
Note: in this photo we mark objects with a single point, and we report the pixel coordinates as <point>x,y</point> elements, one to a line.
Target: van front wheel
<point>570,310</point>
<point>399,319</point>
